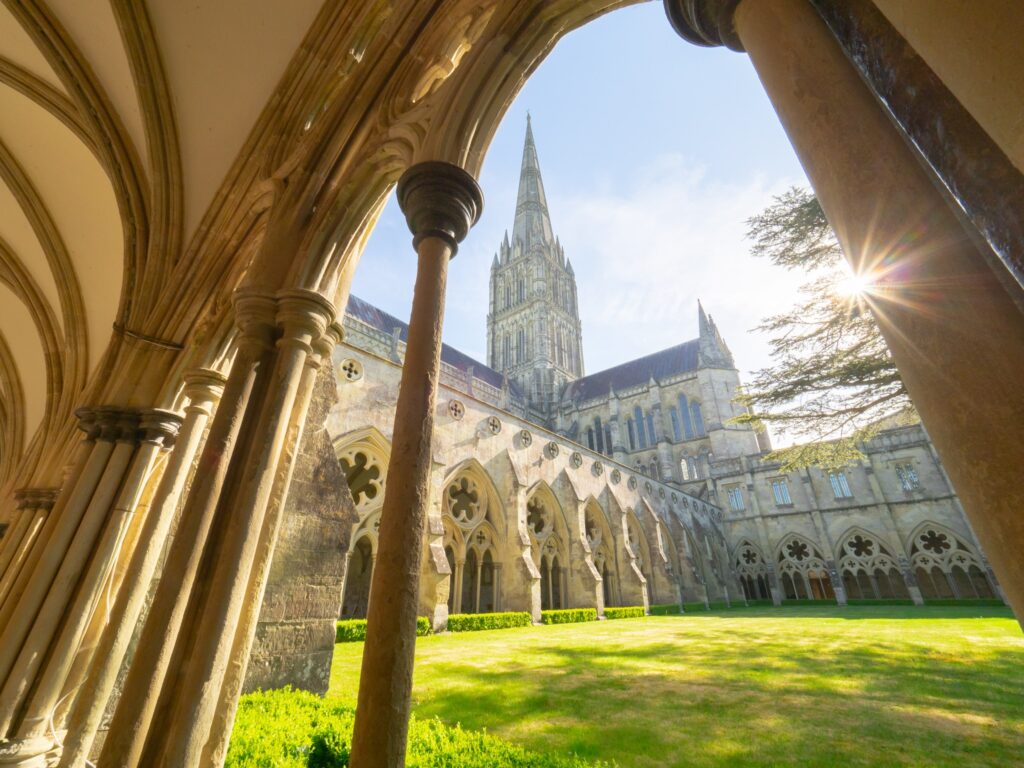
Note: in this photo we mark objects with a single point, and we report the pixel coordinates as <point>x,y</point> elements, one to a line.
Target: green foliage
<point>625,612</point>
<point>295,729</point>
<point>667,609</point>
<point>885,601</point>
<point>354,630</point>
<point>832,379</point>
<point>568,615</point>
<point>691,607</point>
<point>989,602</point>
<point>471,622</point>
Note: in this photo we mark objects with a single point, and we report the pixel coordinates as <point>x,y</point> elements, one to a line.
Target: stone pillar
<point>441,202</point>
<point>203,389</point>
<point>762,533</point>
<point>61,572</point>
<point>156,651</point>
<point>824,539</point>
<point>68,623</point>
<point>939,304</point>
<point>34,505</point>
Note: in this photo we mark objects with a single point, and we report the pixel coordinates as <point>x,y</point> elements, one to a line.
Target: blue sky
<point>653,152</point>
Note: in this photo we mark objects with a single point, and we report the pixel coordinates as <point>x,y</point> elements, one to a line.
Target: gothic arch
<point>946,565</point>
<point>752,568</point>
<point>597,534</point>
<point>868,566</point>
<point>638,547</point>
<point>802,570</point>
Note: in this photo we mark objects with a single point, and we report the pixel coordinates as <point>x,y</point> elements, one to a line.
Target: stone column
<point>156,429</point>
<point>41,608</point>
<point>192,698</point>
<point>762,534</point>
<point>34,505</point>
<point>939,304</point>
<point>156,650</point>
<point>203,388</point>
<point>441,202</point>
<point>824,538</point>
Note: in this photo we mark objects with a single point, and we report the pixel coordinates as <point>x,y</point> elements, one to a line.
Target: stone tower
<point>533,326</point>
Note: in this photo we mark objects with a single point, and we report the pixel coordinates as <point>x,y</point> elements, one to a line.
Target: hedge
<point>974,601</point>
<point>354,630</point>
<point>471,622</point>
<point>625,612</point>
<point>568,615</point>
<point>668,609</point>
<point>881,601</point>
<point>296,729</point>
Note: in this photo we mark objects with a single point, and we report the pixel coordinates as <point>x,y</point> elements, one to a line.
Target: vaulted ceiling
<point>119,121</point>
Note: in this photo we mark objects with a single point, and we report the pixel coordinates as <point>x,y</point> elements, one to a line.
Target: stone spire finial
<point>532,223</point>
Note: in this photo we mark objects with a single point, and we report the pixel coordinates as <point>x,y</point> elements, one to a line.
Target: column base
<point>31,752</point>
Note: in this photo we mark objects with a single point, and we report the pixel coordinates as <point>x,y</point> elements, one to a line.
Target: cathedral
<point>558,488</point>
<point>205,453</point>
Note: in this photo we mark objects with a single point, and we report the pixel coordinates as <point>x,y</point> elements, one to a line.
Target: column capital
<point>707,23</point>
<point>36,498</point>
<point>159,427</point>
<point>203,386</point>
<point>303,316</point>
<point>440,200</point>
<point>117,424</point>
<point>255,314</point>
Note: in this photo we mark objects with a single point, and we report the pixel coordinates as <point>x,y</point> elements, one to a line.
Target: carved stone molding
<point>705,22</point>
<point>439,200</point>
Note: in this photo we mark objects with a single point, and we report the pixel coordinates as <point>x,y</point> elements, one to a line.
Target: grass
<point>814,686</point>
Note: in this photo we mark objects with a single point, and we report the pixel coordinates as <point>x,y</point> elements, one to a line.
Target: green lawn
<point>815,686</point>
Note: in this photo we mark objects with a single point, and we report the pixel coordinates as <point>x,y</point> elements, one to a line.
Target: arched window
<point>631,434</point>
<point>506,356</point>
<point>521,346</point>
<point>698,418</point>
<point>508,296</point>
<point>654,469</point>
<point>677,430</point>
<point>522,290</point>
<point>947,566</point>
<point>804,575</point>
<point>638,417</point>
<point>357,580</point>
<point>695,471</point>
<point>599,433</point>
<point>652,436</point>
<point>590,438</point>
<point>684,413</point>
<point>684,467</point>
<point>607,440</point>
<point>868,568</point>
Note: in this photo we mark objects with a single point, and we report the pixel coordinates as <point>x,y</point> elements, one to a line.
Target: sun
<point>853,286</point>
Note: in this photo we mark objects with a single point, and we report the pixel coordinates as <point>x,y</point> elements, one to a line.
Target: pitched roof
<point>382,321</point>
<point>681,358</point>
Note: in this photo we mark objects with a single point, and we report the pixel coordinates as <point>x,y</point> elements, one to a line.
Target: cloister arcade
<point>186,199</point>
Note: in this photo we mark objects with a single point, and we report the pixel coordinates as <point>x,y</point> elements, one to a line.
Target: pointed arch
<point>868,566</point>
<point>802,569</point>
<point>946,565</point>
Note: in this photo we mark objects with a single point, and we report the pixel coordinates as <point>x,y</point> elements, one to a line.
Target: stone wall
<point>295,635</point>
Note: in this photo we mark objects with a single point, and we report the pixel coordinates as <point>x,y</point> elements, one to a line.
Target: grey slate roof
<point>382,321</point>
<point>681,358</point>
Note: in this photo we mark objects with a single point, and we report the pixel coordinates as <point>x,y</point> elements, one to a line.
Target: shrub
<point>694,607</point>
<point>625,612</point>
<point>887,601</point>
<point>471,622</point>
<point>354,630</point>
<point>295,729</point>
<point>568,615</point>
<point>668,609</point>
<point>965,603</point>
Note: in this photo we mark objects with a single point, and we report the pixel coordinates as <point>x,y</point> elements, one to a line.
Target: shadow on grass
<point>762,690</point>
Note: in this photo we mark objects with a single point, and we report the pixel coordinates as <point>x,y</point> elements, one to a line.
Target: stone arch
<point>868,566</point>
<point>802,569</point>
<point>549,544</point>
<point>947,566</point>
<point>474,520</point>
<point>752,567</point>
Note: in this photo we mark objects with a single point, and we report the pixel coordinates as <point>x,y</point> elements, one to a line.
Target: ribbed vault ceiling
<point>119,121</point>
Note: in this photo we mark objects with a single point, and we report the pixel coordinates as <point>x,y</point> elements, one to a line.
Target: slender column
<point>441,202</point>
<point>479,574</point>
<point>42,605</point>
<point>36,571</point>
<point>15,529</point>
<point>203,388</point>
<point>938,303</point>
<point>306,311</point>
<point>157,643</point>
<point>157,428</point>
<point>191,699</point>
<point>457,598</point>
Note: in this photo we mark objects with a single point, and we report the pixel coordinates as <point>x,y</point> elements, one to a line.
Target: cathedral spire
<point>532,224</point>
